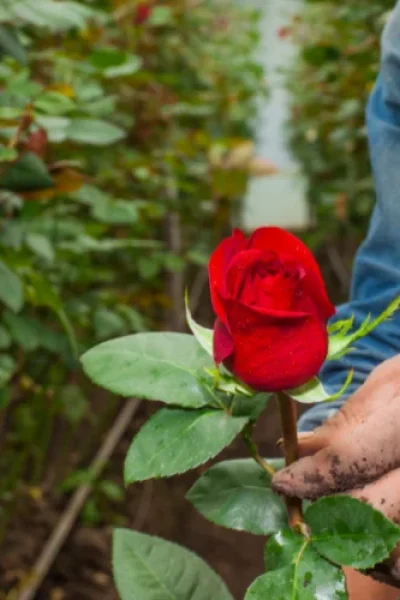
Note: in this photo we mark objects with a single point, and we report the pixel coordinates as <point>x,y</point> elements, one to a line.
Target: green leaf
<point>244,406</point>
<point>41,246</point>
<point>340,341</point>
<point>149,568</point>
<point>351,533</point>
<point>278,585</point>
<point>314,392</point>
<point>203,335</point>
<point>27,174</point>
<point>115,63</point>
<point>11,290</point>
<point>115,212</point>
<point>106,209</point>
<point>131,66</point>
<point>154,366</point>
<point>297,572</point>
<point>174,441</point>
<point>54,103</point>
<point>24,331</point>
<point>41,293</point>
<point>107,323</point>
<point>93,131</point>
<point>7,154</point>
<point>107,57</point>
<point>56,127</point>
<point>77,478</point>
<point>8,367</point>
<point>111,490</point>
<point>5,338</point>
<point>73,403</point>
<point>237,494</point>
<point>57,16</point>
<point>161,15</point>
<point>10,113</point>
<point>135,320</point>
<point>9,44</point>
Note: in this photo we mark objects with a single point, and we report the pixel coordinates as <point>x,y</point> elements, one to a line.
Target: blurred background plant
<point>125,151</point>
<point>335,68</point>
<point>126,131</point>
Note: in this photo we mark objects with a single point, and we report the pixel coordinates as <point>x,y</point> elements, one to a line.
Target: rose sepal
<point>313,392</point>
<point>223,381</point>
<point>340,341</point>
<point>203,335</point>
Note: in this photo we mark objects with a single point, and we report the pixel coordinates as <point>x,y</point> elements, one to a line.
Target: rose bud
<point>272,309</point>
<point>37,142</point>
<point>142,13</point>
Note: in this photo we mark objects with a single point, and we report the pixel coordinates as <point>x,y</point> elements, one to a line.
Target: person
<point>356,450</point>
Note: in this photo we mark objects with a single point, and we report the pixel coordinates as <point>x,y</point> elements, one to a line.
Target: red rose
<point>142,13</point>
<point>272,309</point>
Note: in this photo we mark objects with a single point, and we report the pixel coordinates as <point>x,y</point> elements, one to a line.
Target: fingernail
<point>305,435</point>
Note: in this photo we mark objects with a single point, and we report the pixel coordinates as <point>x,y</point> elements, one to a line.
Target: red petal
<point>218,268</point>
<point>288,246</point>
<point>273,353</point>
<point>223,343</point>
<point>238,269</point>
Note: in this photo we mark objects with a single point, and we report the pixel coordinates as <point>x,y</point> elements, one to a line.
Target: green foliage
<point>27,174</point>
<point>336,66</point>
<point>349,532</point>
<point>237,494</point>
<point>341,531</point>
<point>150,569</point>
<point>174,441</point>
<point>344,531</point>
<point>203,335</point>
<point>341,341</point>
<point>101,139</point>
<point>297,571</point>
<point>166,367</point>
<point>314,392</point>
<point>11,291</point>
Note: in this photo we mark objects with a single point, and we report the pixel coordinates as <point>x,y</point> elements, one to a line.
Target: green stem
<point>253,450</point>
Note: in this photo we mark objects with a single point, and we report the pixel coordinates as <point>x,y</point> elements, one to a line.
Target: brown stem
<point>288,413</point>
<point>175,279</point>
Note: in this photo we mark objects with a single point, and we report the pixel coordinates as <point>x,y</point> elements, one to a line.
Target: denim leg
<point>376,274</point>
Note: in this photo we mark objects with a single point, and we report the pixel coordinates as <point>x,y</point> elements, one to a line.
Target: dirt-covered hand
<point>356,452</point>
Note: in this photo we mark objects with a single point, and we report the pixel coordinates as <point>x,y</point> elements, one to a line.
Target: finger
<point>370,451</point>
<point>361,587</point>
<point>384,495</point>
<point>381,387</point>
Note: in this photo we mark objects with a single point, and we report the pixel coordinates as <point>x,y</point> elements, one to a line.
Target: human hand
<point>356,452</point>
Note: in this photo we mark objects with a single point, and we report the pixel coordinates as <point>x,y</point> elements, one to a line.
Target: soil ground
<point>82,570</point>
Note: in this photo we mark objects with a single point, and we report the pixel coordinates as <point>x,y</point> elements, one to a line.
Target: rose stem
<point>253,450</point>
<point>288,412</point>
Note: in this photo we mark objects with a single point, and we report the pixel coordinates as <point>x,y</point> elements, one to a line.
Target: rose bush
<point>272,332</point>
<point>272,309</point>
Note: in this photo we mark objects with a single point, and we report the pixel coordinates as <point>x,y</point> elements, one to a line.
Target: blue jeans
<point>376,275</point>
